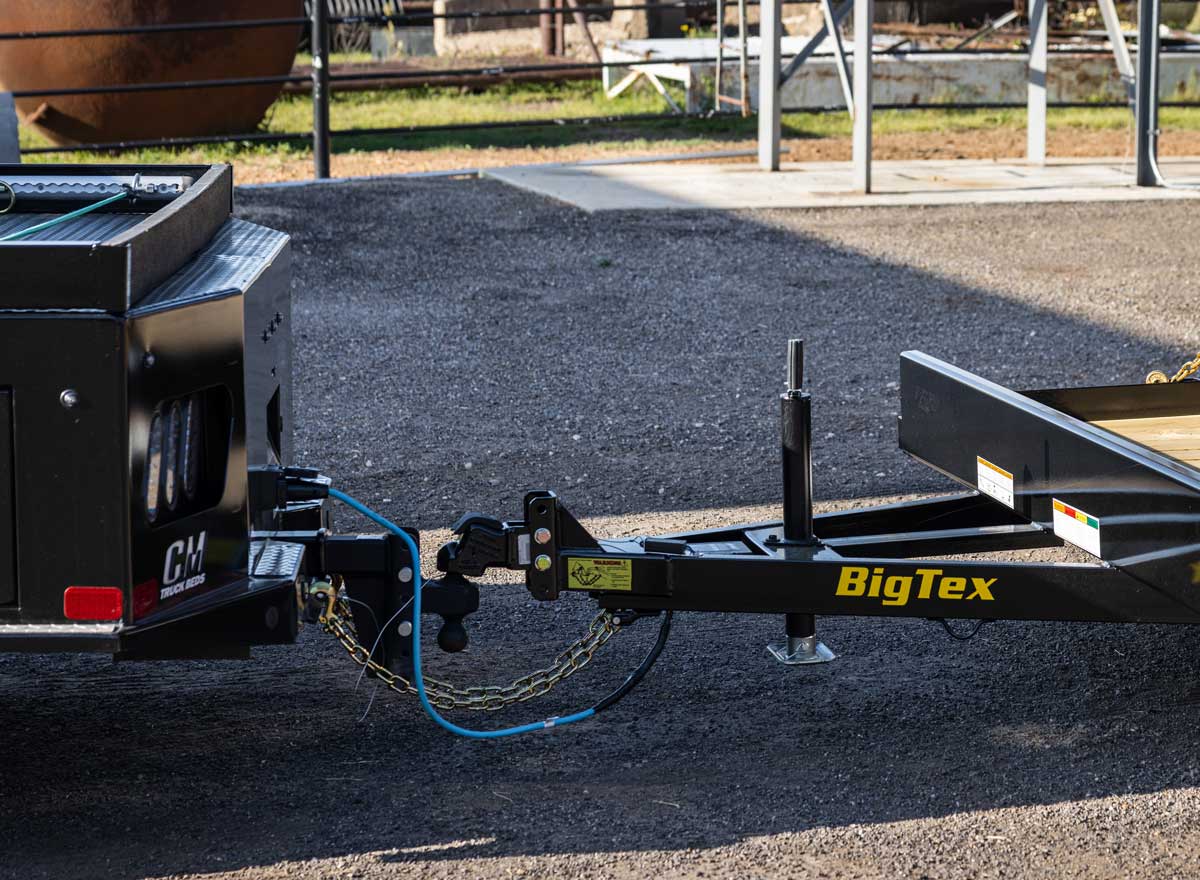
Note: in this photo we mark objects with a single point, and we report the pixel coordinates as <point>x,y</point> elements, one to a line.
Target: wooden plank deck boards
<point>1175,436</point>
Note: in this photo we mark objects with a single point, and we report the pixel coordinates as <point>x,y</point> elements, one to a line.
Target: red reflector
<point>145,598</point>
<point>93,603</point>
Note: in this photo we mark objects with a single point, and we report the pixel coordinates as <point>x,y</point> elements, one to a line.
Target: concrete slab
<point>692,186</point>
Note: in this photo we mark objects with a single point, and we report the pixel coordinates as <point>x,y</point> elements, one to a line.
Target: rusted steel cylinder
<point>77,62</point>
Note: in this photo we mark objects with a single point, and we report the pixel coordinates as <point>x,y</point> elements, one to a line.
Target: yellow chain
<point>336,621</point>
<point>1189,368</point>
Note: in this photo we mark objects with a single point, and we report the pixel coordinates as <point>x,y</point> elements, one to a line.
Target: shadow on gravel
<point>630,362</point>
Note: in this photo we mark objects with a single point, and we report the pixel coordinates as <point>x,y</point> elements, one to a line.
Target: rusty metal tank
<point>72,62</point>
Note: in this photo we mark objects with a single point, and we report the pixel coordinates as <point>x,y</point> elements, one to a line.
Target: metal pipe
<point>796,431</point>
<point>581,22</point>
<point>161,87</point>
<point>1120,48</point>
<point>1146,101</point>
<point>744,58</point>
<point>720,55</point>
<point>634,118</point>
<point>843,67</point>
<point>1035,120</point>
<point>560,32</point>
<point>320,88</point>
<point>546,26</point>
<point>181,27</point>
<point>397,18</point>
<point>863,111</point>
<point>799,626</point>
<point>770,29</point>
<point>815,40</point>
<point>795,366</point>
<point>499,70</point>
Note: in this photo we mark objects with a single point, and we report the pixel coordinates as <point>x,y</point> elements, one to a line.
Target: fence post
<point>10,143</point>
<point>560,28</point>
<point>1035,125</point>
<point>1146,103</point>
<point>320,87</point>
<point>770,15</point>
<point>546,26</point>
<point>864,100</point>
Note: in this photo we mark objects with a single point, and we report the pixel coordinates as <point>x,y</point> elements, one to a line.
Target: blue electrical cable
<point>418,677</point>
<point>48,224</point>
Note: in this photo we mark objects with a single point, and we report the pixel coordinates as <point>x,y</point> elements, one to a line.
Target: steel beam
<point>1112,25</point>
<point>864,20</point>
<point>770,29</point>
<point>835,36</point>
<point>319,36</point>
<point>1035,126</point>
<point>839,14</point>
<point>1146,104</point>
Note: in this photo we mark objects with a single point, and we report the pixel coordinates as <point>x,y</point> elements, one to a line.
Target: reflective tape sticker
<point>1076,527</point>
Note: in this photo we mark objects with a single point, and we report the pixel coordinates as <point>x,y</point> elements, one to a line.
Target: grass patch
<point>555,102</point>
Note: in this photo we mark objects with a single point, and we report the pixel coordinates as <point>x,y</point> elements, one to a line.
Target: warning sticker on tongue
<point>994,481</point>
<point>599,574</point>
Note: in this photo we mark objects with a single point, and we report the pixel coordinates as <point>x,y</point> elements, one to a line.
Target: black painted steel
<point>106,343</point>
<point>113,275</point>
<point>1147,504</point>
<point>892,560</point>
<point>320,87</point>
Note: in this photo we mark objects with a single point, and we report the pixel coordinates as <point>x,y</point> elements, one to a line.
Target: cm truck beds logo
<point>183,568</point>
<point>924,583</point>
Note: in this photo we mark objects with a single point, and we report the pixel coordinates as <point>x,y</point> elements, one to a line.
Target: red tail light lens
<point>93,603</point>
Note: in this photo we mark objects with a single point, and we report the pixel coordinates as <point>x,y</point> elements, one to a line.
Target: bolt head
<point>148,359</point>
<point>542,536</point>
<point>542,563</point>
<point>405,575</point>
<point>405,628</point>
<point>69,398</point>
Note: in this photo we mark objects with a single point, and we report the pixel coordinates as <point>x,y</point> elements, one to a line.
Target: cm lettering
<point>183,568</point>
<point>924,583</point>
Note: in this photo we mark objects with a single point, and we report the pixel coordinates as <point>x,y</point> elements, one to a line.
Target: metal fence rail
<point>323,81</point>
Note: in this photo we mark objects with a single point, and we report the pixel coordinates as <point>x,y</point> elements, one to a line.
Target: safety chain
<point>1189,368</point>
<point>336,620</point>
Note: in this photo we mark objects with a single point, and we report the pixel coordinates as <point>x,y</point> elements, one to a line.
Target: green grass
<point>554,101</point>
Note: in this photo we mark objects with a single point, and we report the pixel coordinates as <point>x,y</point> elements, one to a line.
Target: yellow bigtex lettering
<point>924,583</point>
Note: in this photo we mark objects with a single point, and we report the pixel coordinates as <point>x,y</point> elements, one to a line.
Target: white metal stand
<point>770,31</point>
<point>1035,125</point>
<point>864,22</point>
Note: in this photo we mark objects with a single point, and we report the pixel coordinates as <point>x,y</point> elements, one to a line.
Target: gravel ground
<point>459,343</point>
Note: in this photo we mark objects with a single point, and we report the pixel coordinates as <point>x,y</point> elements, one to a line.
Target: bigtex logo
<point>897,589</point>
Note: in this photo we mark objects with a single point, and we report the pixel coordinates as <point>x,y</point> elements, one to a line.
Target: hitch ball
<point>452,637</point>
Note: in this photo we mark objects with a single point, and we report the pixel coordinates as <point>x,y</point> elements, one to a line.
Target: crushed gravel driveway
<point>458,343</point>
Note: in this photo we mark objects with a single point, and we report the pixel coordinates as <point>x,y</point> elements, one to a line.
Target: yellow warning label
<point>600,574</point>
